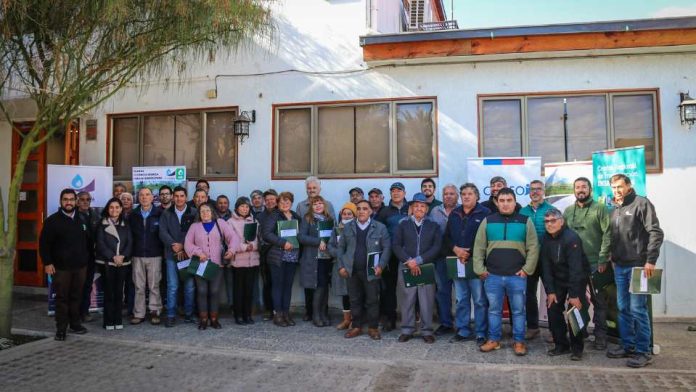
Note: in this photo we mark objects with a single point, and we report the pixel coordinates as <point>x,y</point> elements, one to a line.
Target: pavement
<point>263,357</point>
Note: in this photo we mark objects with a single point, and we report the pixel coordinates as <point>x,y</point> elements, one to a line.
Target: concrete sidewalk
<point>265,357</point>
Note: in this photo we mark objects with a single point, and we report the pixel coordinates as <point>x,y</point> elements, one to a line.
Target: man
<point>428,189</point>
<point>63,246</point>
<point>270,199</point>
<point>119,188</point>
<point>222,206</point>
<point>462,225</point>
<point>376,199</point>
<point>439,215</point>
<point>590,220</point>
<point>313,188</point>
<point>90,217</point>
<point>174,224</point>
<point>361,237</point>
<point>565,273</point>
<point>390,216</point>
<point>204,185</point>
<point>417,241</point>
<point>506,250</point>
<point>535,210</point>
<point>165,197</point>
<point>496,184</point>
<point>256,198</point>
<point>147,257</point>
<point>200,196</point>
<point>636,238</point>
<point>356,194</point>
<point>127,201</point>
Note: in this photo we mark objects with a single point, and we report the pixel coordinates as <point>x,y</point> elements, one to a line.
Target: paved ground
<point>267,358</point>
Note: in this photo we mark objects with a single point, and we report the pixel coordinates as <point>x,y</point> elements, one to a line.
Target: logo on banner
<point>77,183</point>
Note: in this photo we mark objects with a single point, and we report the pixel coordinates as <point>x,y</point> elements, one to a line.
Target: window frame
<point>202,153</point>
<point>314,145</point>
<point>523,97</point>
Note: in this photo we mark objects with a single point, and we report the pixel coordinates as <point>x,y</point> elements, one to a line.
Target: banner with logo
<point>518,172</point>
<point>154,177</point>
<point>559,181</point>
<point>97,180</point>
<point>629,161</point>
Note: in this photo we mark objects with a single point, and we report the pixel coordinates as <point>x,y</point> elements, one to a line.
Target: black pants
<point>265,272</point>
<point>364,293</point>
<point>87,289</point>
<point>130,291</point>
<point>532,305</point>
<point>387,304</point>
<point>557,322</point>
<point>68,285</point>
<point>114,278</point>
<point>243,290</point>
<point>309,301</point>
<point>600,302</point>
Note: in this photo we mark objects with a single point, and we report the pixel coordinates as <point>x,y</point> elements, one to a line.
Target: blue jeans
<point>515,287</point>
<point>443,296</point>
<point>173,286</point>
<point>634,321</point>
<point>468,290</point>
<point>282,276</point>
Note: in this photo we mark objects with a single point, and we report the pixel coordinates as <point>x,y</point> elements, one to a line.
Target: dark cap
<point>375,190</point>
<point>255,192</point>
<point>397,185</point>
<point>356,189</point>
<point>419,198</point>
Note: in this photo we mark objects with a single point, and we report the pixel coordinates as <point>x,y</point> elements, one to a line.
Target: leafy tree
<point>69,56</point>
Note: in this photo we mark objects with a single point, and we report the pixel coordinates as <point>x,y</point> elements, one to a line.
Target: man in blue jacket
<point>417,241</point>
<point>147,257</point>
<point>462,225</point>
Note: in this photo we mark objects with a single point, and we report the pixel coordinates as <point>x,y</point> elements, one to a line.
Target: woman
<point>206,239</point>
<point>245,265</point>
<point>282,259</point>
<point>339,285</point>
<point>114,244</point>
<point>315,262</point>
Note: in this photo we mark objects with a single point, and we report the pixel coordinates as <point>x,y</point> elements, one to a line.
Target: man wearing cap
<point>497,183</point>
<point>428,188</point>
<point>356,194</point>
<point>376,199</point>
<point>256,198</point>
<point>416,241</point>
<point>390,216</point>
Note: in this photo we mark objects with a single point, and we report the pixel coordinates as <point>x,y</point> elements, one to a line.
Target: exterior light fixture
<point>241,124</point>
<point>687,109</point>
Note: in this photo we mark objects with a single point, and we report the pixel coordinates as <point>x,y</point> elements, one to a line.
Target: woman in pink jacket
<point>245,265</point>
<point>205,239</point>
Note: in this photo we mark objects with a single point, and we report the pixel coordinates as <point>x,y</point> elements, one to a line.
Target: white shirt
<point>363,226</point>
<point>179,214</point>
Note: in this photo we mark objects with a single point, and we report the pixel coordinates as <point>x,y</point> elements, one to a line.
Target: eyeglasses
<point>549,221</point>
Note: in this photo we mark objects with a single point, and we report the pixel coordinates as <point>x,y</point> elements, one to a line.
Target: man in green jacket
<point>591,221</point>
<point>535,210</point>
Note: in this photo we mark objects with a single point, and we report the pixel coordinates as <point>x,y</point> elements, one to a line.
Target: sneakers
<point>170,322</point>
<point>459,338</point>
<point>558,350</point>
<point>443,330</point>
<point>619,352</point>
<point>639,360</point>
<point>109,327</point>
<point>490,346</point>
<point>60,336</point>
<point>118,326</point>
<point>520,348</point>
<point>154,318</point>
<point>190,319</point>
<point>531,333</point>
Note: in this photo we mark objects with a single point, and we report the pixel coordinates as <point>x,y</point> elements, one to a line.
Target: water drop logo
<point>77,181</point>
<point>180,174</point>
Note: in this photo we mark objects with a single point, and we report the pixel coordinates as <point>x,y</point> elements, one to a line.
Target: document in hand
<point>250,230</point>
<point>427,276</point>
<point>182,269</point>
<point>641,284</point>
<point>287,230</point>
<point>455,269</point>
<point>325,229</point>
<point>372,262</point>
<point>577,319</point>
<point>205,269</point>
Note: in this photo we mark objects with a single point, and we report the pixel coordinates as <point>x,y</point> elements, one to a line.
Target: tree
<point>69,56</point>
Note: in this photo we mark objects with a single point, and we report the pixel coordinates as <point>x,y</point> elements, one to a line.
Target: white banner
<point>559,181</point>
<point>97,180</point>
<point>518,172</point>
<point>153,177</point>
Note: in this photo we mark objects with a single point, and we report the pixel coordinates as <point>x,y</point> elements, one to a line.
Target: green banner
<point>629,161</point>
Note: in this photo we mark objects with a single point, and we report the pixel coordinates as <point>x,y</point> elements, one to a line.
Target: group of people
<point>366,254</point>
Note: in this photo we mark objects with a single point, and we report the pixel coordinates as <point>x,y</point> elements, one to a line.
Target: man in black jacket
<point>565,275</point>
<point>90,217</point>
<point>636,238</point>
<point>270,200</point>
<point>147,257</point>
<point>63,246</point>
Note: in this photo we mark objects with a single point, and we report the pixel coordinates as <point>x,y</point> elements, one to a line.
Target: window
<point>570,127</point>
<point>204,142</point>
<point>372,139</point>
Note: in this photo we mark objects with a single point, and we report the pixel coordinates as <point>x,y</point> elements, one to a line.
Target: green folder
<point>457,270</point>
<point>578,319</point>
<point>204,269</point>
<point>250,230</point>
<point>182,269</point>
<point>642,285</point>
<point>600,281</point>
<point>372,262</point>
<point>287,230</point>
<point>325,229</point>
<point>427,276</point>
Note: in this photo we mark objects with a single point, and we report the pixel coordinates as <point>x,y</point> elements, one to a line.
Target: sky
<point>471,14</point>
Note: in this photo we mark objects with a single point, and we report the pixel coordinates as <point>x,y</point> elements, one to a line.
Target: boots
<point>214,320</point>
<point>279,319</point>
<point>346,320</point>
<point>288,319</point>
<point>325,308</point>
<point>317,307</point>
<point>202,320</point>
